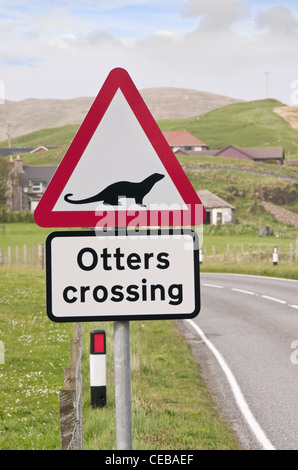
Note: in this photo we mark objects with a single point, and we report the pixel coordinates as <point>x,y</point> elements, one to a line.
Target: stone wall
<point>281,215</point>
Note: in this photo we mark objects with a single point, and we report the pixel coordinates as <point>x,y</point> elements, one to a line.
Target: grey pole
<point>122,385</point>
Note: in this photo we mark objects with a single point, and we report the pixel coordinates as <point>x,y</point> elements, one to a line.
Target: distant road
<point>243,170</point>
<point>251,323</point>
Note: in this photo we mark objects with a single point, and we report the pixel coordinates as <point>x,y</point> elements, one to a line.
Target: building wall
<point>222,215</point>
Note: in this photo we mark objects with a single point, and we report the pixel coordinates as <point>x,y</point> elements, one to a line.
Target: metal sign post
<point>122,385</point>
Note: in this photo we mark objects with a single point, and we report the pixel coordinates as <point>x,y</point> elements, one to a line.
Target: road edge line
<point>240,400</point>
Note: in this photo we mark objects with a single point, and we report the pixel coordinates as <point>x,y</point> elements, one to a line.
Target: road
<point>246,339</point>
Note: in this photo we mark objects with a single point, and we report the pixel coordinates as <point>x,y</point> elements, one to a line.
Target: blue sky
<point>66,48</point>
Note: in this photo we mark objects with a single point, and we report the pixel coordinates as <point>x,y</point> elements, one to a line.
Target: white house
<point>184,142</point>
<point>218,211</point>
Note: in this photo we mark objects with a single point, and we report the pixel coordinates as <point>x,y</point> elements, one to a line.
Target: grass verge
<point>171,406</point>
<point>281,270</point>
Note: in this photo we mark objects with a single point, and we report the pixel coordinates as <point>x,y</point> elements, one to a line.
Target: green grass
<point>171,407</point>
<point>205,162</point>
<point>248,124</point>
<point>52,137</point>
<point>281,270</point>
<point>59,137</point>
<point>20,233</point>
<point>36,350</point>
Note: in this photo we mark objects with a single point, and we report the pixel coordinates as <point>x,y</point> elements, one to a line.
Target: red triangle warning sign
<point>119,170</point>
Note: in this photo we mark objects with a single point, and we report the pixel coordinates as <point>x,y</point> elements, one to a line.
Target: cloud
<point>277,20</point>
<point>21,62</point>
<point>96,38</point>
<point>216,14</point>
<point>210,45</point>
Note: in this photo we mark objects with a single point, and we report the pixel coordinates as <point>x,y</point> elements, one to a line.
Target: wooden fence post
<point>41,256</point>
<point>9,256</point>
<point>78,337</point>
<point>67,420</point>
<point>34,255</point>
<point>25,256</point>
<point>71,399</point>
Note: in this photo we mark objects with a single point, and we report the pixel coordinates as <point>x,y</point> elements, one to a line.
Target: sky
<point>244,49</point>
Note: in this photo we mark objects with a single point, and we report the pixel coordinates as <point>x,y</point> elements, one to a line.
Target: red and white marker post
<point>98,381</point>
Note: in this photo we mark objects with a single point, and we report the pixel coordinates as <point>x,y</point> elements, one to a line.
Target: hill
<point>249,124</point>
<point>24,117</point>
<point>244,124</point>
<point>290,114</point>
<point>179,103</point>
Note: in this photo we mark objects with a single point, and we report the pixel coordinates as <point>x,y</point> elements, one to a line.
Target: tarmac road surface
<point>246,340</point>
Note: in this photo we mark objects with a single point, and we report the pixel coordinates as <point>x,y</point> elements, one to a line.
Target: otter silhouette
<point>127,189</point>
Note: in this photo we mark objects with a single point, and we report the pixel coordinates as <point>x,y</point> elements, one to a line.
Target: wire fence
<point>25,256</point>
<point>251,253</point>
<point>34,256</point>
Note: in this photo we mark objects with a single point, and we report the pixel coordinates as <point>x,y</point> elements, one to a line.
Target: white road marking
<point>240,400</point>
<point>274,299</point>
<point>243,291</point>
<point>213,285</point>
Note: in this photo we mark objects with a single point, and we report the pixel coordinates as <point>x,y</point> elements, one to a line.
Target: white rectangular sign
<point>97,275</point>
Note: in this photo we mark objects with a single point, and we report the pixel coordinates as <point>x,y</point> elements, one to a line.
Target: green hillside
<point>249,124</point>
<point>59,137</point>
<point>244,124</point>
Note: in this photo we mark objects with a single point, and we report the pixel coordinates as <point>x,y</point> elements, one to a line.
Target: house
<point>256,154</point>
<point>26,184</point>
<point>183,142</point>
<point>41,148</point>
<point>6,152</point>
<point>218,211</point>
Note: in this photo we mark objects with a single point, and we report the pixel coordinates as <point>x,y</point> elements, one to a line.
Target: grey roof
<point>5,152</point>
<point>37,173</point>
<point>264,153</point>
<point>255,153</point>
<point>211,201</point>
<point>15,151</point>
